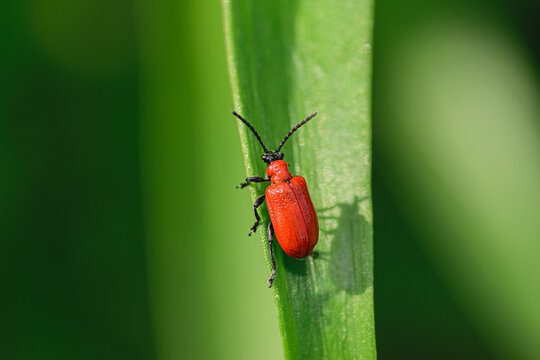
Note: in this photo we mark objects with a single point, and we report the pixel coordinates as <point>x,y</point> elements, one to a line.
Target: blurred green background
<point>122,235</point>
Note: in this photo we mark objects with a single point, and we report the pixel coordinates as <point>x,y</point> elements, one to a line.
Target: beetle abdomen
<point>293,216</point>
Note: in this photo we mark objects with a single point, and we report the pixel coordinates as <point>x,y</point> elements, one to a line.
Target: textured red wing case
<point>302,195</point>
<point>293,217</point>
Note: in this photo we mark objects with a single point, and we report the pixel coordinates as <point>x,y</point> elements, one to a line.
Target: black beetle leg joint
<point>271,279</point>
<point>253,229</point>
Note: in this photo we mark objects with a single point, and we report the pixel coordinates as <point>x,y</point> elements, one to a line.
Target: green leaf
<point>288,59</point>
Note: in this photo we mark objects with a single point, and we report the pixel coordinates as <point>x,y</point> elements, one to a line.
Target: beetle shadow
<point>349,261</point>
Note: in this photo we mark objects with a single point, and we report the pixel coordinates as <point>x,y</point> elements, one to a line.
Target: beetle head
<point>270,157</point>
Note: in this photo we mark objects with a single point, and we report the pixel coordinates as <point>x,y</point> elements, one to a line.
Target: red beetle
<point>292,214</point>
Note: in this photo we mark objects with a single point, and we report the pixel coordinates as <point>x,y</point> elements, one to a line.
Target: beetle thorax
<point>278,171</point>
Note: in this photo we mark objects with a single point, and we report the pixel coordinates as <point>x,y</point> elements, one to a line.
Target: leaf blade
<point>287,60</point>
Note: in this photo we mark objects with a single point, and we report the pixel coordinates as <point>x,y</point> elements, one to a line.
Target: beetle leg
<point>274,266</point>
<point>251,179</point>
<point>258,202</point>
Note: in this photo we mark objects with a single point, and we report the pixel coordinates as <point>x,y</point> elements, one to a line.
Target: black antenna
<point>252,129</point>
<point>294,129</point>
